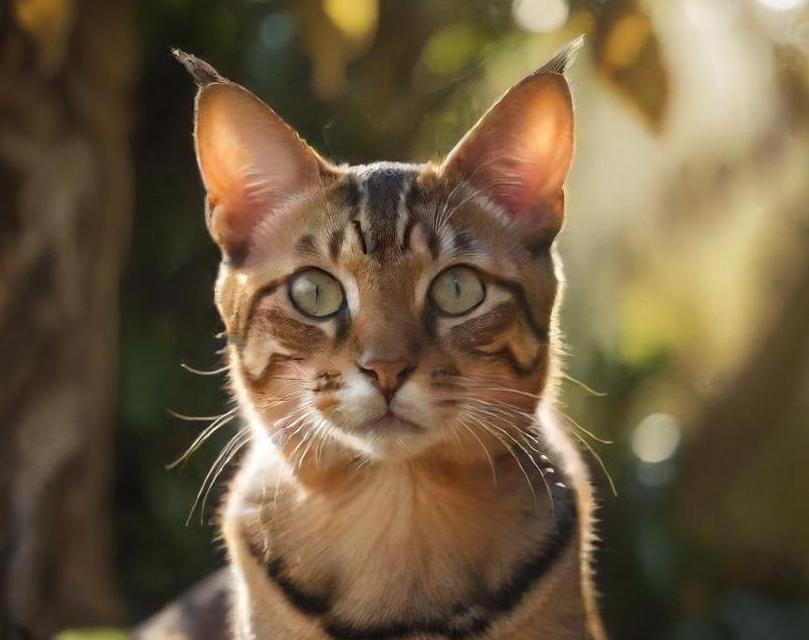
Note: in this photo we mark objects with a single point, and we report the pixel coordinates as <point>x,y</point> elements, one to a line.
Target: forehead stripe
<point>403,215</point>
<point>356,225</point>
<point>385,188</point>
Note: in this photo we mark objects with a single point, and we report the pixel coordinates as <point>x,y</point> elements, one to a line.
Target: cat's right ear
<point>518,154</point>
<point>251,161</point>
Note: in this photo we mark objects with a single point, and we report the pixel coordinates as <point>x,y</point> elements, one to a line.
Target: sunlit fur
<point>473,398</point>
<point>412,512</point>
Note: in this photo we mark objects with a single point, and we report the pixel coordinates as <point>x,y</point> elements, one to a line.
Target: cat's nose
<point>389,375</point>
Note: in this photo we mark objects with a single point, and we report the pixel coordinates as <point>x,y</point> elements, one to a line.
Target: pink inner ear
<point>250,160</point>
<point>520,151</point>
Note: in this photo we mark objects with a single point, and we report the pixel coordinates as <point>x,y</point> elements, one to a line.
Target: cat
<point>393,350</point>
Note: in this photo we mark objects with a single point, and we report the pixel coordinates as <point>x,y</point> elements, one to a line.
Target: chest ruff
<point>531,591</point>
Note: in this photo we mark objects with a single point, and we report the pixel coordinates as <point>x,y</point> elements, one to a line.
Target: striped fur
<point>406,477</point>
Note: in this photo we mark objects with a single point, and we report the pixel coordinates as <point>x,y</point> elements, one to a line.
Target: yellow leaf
<point>49,23</point>
<point>334,32</point>
<point>625,43</point>
<point>628,57</point>
<point>356,19</point>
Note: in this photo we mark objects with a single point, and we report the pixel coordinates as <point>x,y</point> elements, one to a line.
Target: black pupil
<point>456,284</point>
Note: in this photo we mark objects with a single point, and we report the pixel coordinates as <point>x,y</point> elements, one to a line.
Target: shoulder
<point>201,613</point>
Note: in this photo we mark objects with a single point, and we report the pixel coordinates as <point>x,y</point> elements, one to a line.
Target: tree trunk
<point>66,72</point>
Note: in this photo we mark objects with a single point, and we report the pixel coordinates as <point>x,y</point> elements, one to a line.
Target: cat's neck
<point>370,538</point>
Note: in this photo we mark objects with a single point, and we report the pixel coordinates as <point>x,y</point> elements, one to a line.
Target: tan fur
<point>407,477</point>
<point>401,536</point>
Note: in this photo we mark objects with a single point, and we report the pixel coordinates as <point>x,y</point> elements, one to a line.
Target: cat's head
<point>387,309</point>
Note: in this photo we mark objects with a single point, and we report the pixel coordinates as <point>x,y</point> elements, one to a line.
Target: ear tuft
<point>563,60</point>
<point>203,73</point>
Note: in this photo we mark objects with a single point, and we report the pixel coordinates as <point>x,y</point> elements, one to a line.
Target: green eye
<point>316,293</point>
<point>457,290</point>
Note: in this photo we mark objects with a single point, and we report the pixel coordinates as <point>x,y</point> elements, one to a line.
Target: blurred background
<point>686,251</point>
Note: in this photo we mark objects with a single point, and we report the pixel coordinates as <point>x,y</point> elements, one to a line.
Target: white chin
<point>390,446</point>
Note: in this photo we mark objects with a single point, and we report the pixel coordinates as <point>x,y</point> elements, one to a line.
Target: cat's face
<point>389,309</point>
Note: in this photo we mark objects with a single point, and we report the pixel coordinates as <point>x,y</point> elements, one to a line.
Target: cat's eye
<point>315,293</point>
<point>457,290</point>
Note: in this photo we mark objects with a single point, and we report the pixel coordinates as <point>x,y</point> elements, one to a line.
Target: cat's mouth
<point>391,422</point>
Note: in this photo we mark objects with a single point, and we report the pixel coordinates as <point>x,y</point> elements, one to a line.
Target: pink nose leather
<point>388,374</point>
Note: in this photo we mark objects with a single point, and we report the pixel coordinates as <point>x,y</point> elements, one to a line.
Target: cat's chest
<point>392,546</point>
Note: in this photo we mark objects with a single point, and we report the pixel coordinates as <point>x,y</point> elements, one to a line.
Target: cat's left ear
<point>518,154</point>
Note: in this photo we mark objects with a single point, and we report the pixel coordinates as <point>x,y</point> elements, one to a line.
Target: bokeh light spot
<point>451,49</point>
<point>656,438</point>
<point>540,16</point>
<point>355,18</point>
<point>275,31</point>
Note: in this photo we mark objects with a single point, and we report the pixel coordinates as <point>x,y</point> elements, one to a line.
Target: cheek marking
<point>482,330</point>
<point>290,334</point>
<point>343,323</point>
<point>502,335</point>
<point>273,338</point>
<point>258,355</point>
<point>518,292</point>
<point>522,350</point>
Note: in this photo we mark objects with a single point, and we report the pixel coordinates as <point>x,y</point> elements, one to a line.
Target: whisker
<point>600,461</point>
<point>510,451</point>
<point>325,433</point>
<point>488,455</point>
<point>533,461</point>
<point>584,386</point>
<point>187,418</point>
<point>459,440</point>
<point>236,449</point>
<point>283,431</point>
<point>313,437</point>
<point>221,460</point>
<point>506,389</point>
<point>277,484</point>
<point>206,433</point>
<point>525,393</point>
<point>506,412</point>
<point>204,372</point>
<point>581,428</point>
